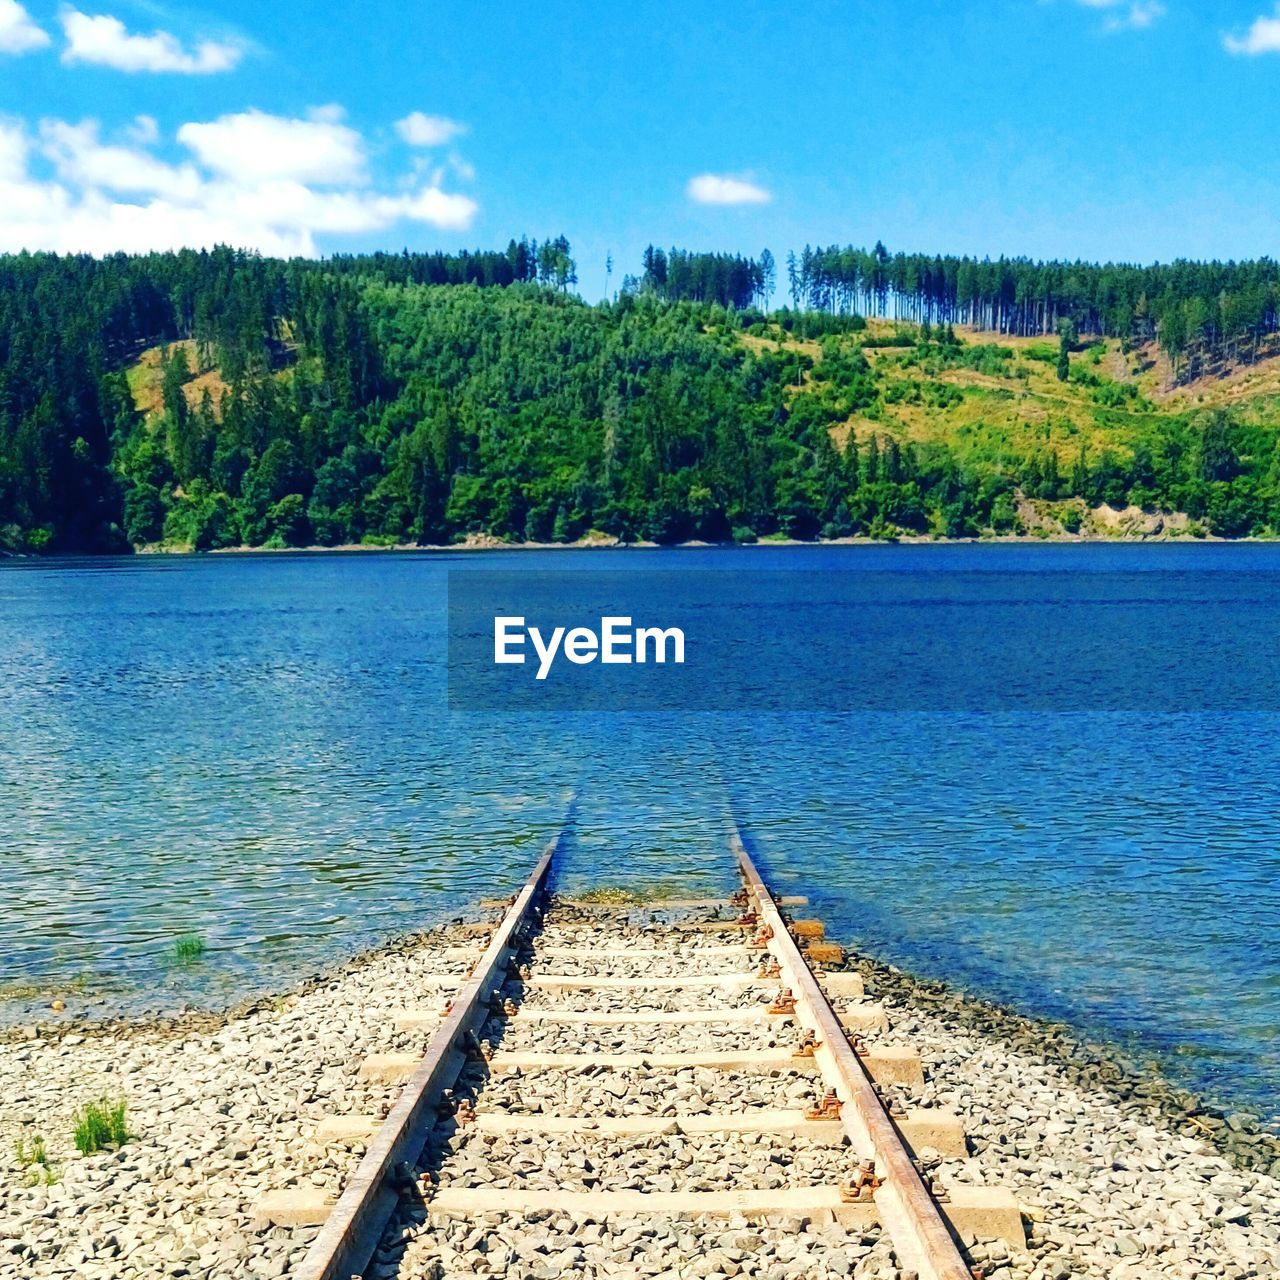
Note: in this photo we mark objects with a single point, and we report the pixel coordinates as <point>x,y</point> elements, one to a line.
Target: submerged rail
<point>603,1009</point>
<point>351,1231</point>
<point>907,1211</point>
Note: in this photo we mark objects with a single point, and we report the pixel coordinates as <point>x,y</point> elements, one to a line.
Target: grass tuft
<point>189,948</point>
<point>33,1158</point>
<point>99,1125</point>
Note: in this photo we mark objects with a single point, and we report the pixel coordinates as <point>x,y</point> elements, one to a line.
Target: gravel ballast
<point>1118,1176</point>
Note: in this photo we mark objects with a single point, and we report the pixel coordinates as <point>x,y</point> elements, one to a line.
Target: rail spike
<point>827,1108</point>
<point>862,1185</point>
<point>784,1002</point>
<point>808,1043</point>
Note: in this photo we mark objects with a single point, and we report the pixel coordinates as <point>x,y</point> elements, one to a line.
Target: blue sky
<point>1123,129</point>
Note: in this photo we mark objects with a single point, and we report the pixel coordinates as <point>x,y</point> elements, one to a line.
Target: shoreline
<point>1091,1064</point>
<point>477,543</point>
<point>487,543</point>
<point>1238,1135</point>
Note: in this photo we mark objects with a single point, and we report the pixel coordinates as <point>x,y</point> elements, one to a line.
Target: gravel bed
<point>517,1035</point>
<point>219,1112</point>
<point>549,1247</point>
<point>657,1162</point>
<point>1121,1175</point>
<point>643,938</point>
<point>640,937</point>
<point>646,1091</point>
<point>1111,1192</point>
<point>663,964</point>
<point>623,1000</point>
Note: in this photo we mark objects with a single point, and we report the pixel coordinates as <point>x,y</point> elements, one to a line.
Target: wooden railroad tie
<point>814,929</point>
<point>824,953</point>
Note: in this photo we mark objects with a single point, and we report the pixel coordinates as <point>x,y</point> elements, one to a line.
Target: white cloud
<point>710,188</point>
<point>1262,37</point>
<point>1128,15</point>
<point>420,130</point>
<point>79,158</point>
<point>290,185</point>
<point>329,113</point>
<point>18,32</point>
<point>465,170</point>
<point>431,205</point>
<point>13,151</point>
<point>106,42</point>
<point>252,146</point>
<point>145,131</point>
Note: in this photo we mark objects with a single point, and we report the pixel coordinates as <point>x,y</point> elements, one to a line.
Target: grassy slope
<point>1016,411</point>
<point>146,381</point>
<point>1018,407</point>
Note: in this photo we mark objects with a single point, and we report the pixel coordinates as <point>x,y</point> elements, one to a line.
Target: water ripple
<point>256,750</point>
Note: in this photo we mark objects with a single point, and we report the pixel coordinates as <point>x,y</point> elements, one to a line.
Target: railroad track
<point>609,1085</point>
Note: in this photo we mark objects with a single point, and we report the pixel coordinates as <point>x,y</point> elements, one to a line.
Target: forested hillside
<point>218,399</point>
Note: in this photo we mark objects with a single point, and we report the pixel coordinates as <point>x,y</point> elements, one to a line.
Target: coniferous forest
<point>219,399</point>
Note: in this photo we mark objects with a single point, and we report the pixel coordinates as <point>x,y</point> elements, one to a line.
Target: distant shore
<point>487,542</point>
<point>613,544</point>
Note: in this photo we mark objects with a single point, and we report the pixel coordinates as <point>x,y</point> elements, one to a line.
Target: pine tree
<point>768,278</point>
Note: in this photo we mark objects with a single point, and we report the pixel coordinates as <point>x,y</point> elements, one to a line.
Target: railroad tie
<point>921,1127</point>
<point>888,1065</point>
<point>973,1212</point>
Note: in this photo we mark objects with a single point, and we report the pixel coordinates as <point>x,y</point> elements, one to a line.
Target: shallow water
<point>258,751</point>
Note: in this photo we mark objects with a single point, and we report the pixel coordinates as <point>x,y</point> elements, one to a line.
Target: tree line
<point>729,280</point>
<point>1201,313</point>
<point>524,261</point>
<point>363,400</point>
<point>70,325</point>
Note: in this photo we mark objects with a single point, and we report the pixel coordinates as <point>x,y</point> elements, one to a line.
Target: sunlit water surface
<point>257,751</point>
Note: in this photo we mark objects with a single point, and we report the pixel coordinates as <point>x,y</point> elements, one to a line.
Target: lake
<point>260,751</point>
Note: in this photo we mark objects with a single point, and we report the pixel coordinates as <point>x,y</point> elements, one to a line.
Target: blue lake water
<point>259,750</point>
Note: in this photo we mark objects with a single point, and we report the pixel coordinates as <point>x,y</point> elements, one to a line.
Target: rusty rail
<point>352,1230</point>
<point>920,1234</point>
